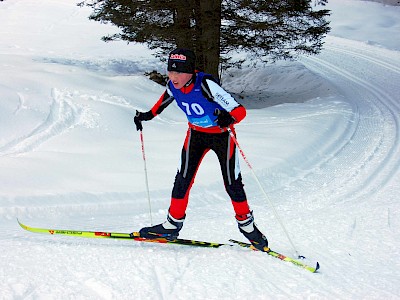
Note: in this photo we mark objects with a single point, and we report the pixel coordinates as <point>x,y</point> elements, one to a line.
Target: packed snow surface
<point>322,135</point>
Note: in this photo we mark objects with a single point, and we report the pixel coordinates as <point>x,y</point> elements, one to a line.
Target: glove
<point>224,119</point>
<point>142,116</point>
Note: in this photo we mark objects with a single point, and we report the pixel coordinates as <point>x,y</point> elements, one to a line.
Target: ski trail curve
<point>369,156</point>
<point>63,114</point>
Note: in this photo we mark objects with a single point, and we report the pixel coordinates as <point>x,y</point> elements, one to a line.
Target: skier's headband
<point>182,61</point>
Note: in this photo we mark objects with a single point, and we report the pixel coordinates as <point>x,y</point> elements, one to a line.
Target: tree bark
<point>183,32</point>
<point>208,25</point>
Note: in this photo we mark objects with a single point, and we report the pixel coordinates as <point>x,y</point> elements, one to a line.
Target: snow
<point>322,134</point>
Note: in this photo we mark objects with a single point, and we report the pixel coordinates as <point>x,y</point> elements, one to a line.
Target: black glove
<point>142,116</point>
<point>224,119</point>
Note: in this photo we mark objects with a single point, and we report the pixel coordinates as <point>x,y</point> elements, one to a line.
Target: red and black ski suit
<point>198,100</point>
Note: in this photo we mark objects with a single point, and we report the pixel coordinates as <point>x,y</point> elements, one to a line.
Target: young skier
<point>210,110</point>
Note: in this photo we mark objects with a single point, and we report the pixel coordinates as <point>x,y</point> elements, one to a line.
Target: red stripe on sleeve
<point>239,113</point>
<point>156,106</point>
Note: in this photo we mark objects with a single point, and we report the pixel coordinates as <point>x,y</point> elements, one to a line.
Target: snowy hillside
<point>322,134</point>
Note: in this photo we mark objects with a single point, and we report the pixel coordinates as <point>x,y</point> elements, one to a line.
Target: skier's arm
<point>162,103</point>
<point>215,92</point>
<point>165,99</point>
<point>238,113</point>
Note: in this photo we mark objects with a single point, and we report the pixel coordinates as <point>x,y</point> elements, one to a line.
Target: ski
<point>279,256</point>
<point>122,236</point>
<point>135,236</point>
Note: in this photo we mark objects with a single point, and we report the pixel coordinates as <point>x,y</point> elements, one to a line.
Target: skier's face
<point>179,79</point>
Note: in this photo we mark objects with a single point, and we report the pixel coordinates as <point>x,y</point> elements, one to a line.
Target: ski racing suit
<point>198,100</point>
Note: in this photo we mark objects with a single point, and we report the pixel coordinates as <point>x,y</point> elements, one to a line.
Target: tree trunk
<point>182,30</point>
<point>208,24</point>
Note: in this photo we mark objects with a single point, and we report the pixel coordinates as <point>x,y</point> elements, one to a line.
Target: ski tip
<point>20,224</point>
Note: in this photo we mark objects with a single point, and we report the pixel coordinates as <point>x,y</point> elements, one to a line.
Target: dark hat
<point>182,60</point>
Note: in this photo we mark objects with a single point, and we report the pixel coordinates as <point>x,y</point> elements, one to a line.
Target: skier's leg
<point>228,159</point>
<point>193,152</point>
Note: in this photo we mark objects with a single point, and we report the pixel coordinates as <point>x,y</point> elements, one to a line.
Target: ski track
<point>63,114</point>
<point>21,104</point>
<point>372,146</point>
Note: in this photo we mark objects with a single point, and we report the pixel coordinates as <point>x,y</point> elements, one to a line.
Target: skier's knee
<point>181,186</point>
<point>236,191</point>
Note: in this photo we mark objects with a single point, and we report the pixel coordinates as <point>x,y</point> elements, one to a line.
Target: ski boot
<point>251,232</point>
<point>169,229</point>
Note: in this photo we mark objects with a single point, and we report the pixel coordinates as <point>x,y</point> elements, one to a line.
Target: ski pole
<point>263,191</point>
<point>146,177</point>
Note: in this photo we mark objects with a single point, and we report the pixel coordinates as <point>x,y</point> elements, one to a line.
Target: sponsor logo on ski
<point>68,232</point>
<point>102,234</point>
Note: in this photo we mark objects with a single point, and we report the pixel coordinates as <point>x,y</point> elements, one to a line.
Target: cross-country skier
<point>200,97</point>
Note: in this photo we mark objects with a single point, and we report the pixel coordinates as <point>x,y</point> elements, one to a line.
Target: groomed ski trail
<point>369,154</point>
